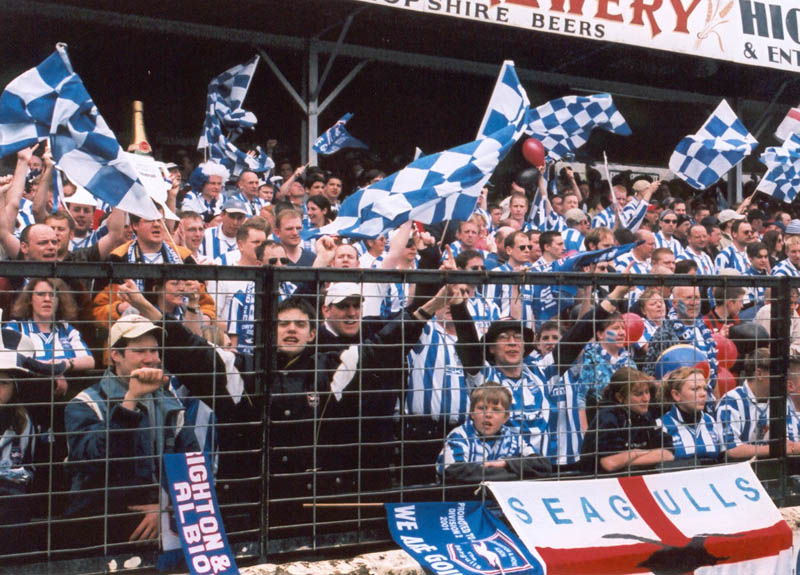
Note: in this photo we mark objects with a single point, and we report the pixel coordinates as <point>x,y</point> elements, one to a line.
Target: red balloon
<point>726,351</point>
<point>533,150</point>
<point>634,327</point>
<point>725,382</point>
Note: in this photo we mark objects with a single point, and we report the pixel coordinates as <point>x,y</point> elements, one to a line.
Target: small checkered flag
<point>565,124</point>
<point>723,141</point>
<point>337,138</point>
<point>782,180</point>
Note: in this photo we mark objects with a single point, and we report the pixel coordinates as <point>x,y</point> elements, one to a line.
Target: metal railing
<point>300,470</point>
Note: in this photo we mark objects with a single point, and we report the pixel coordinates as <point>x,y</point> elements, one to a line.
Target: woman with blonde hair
<point>695,434</point>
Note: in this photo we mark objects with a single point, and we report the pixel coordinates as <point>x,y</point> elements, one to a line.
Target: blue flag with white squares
<point>782,180</point>
<point>226,120</point>
<point>337,138</point>
<point>435,187</point>
<point>703,158</point>
<point>50,101</point>
<point>565,124</point>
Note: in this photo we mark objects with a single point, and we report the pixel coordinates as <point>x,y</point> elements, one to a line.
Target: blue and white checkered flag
<point>782,180</point>
<point>703,158</point>
<point>565,124</point>
<point>51,101</point>
<point>431,189</point>
<point>226,120</point>
<point>337,138</point>
<point>226,93</point>
<point>507,98</point>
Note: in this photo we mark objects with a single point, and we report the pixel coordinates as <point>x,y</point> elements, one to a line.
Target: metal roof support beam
<point>342,85</point>
<point>281,78</point>
<point>312,112</point>
<point>430,62</point>
<point>332,57</point>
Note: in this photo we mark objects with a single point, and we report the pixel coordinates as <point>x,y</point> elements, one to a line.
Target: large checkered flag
<point>226,120</point>
<point>703,158</point>
<point>435,187</point>
<point>337,138</point>
<point>50,101</point>
<point>782,180</point>
<point>565,124</point>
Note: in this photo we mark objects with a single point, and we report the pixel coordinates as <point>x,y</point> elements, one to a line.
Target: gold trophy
<point>139,143</point>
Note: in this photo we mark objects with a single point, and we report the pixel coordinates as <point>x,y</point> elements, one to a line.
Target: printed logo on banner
<point>459,539</point>
<point>495,555</point>
<point>191,487</point>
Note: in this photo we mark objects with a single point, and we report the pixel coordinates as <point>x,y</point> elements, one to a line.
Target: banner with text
<point>199,523</point>
<point>716,521</point>
<point>753,32</point>
<point>459,539</point>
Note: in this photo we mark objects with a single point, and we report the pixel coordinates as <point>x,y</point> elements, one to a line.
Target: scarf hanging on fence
<point>168,256</point>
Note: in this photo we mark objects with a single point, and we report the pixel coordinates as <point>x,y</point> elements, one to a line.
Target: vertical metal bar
<point>304,92</point>
<point>262,364</point>
<point>313,112</point>
<point>779,352</point>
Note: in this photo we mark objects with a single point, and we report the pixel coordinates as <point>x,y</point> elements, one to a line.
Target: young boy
<point>485,447</point>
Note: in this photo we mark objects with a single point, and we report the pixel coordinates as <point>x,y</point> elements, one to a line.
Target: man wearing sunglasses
<point>665,237</point>
<point>514,300</point>
<point>735,255</point>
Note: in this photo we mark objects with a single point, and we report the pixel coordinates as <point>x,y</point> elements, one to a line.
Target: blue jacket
<point>100,430</point>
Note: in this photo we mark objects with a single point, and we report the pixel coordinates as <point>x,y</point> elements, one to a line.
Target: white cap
<point>728,215</point>
<point>130,327</point>
<point>340,291</point>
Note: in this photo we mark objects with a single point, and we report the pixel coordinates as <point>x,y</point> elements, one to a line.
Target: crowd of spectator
<point>374,386</point>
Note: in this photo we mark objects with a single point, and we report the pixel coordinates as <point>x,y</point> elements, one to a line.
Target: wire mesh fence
<point>364,387</point>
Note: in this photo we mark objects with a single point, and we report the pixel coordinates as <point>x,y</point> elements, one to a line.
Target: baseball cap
<point>575,214</point>
<point>793,228</point>
<point>131,327</point>
<point>234,206</point>
<point>728,215</point>
<point>340,291</point>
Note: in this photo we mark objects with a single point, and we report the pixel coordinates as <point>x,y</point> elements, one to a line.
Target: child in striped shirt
<point>484,447</point>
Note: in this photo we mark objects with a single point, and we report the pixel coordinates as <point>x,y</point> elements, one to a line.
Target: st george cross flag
<point>703,158</point>
<point>782,180</point>
<point>337,138</point>
<point>715,521</point>
<point>433,188</point>
<point>226,120</point>
<point>50,101</point>
<point>565,124</point>
<point>790,125</point>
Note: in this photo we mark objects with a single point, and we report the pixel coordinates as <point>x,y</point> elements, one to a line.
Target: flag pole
<point>617,216</point>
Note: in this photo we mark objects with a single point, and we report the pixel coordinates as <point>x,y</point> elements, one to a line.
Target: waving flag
<point>431,189</point>
<point>782,180</point>
<point>226,120</point>
<point>722,142</point>
<point>337,138</point>
<point>579,261</point>
<point>50,101</point>
<point>505,103</point>
<point>790,125</point>
<point>565,124</point>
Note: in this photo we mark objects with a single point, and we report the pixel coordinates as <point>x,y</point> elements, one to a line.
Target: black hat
<point>508,324</point>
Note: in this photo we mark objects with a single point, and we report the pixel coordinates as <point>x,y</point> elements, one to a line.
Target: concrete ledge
<point>398,562</point>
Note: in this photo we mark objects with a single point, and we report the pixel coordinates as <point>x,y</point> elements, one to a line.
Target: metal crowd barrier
<point>355,452</point>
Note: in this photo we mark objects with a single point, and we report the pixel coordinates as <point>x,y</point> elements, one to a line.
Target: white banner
<point>707,521</point>
<point>757,33</point>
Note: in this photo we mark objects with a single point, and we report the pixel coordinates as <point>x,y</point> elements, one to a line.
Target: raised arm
<point>116,233</point>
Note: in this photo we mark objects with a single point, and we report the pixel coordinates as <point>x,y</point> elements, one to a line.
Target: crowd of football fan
<point>374,386</point>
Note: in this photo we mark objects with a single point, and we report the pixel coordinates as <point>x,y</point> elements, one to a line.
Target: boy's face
<point>294,332</point>
<point>488,418</point>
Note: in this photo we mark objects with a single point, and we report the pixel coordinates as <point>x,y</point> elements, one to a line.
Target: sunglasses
<point>273,261</point>
<point>525,248</point>
<point>477,268</point>
<point>670,221</point>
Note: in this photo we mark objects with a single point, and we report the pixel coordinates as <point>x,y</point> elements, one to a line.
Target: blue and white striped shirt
<point>64,342</point>
<point>731,258</point>
<point>702,440</point>
<point>436,383</point>
<point>215,243</point>
<point>785,268</point>
<point>530,409</point>
<point>705,267</point>
<point>241,318</point>
<point>465,445</point>
<point>483,312</point>
<point>743,418</point>
<point>573,240</point>
<point>253,207</point>
<point>673,244</point>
